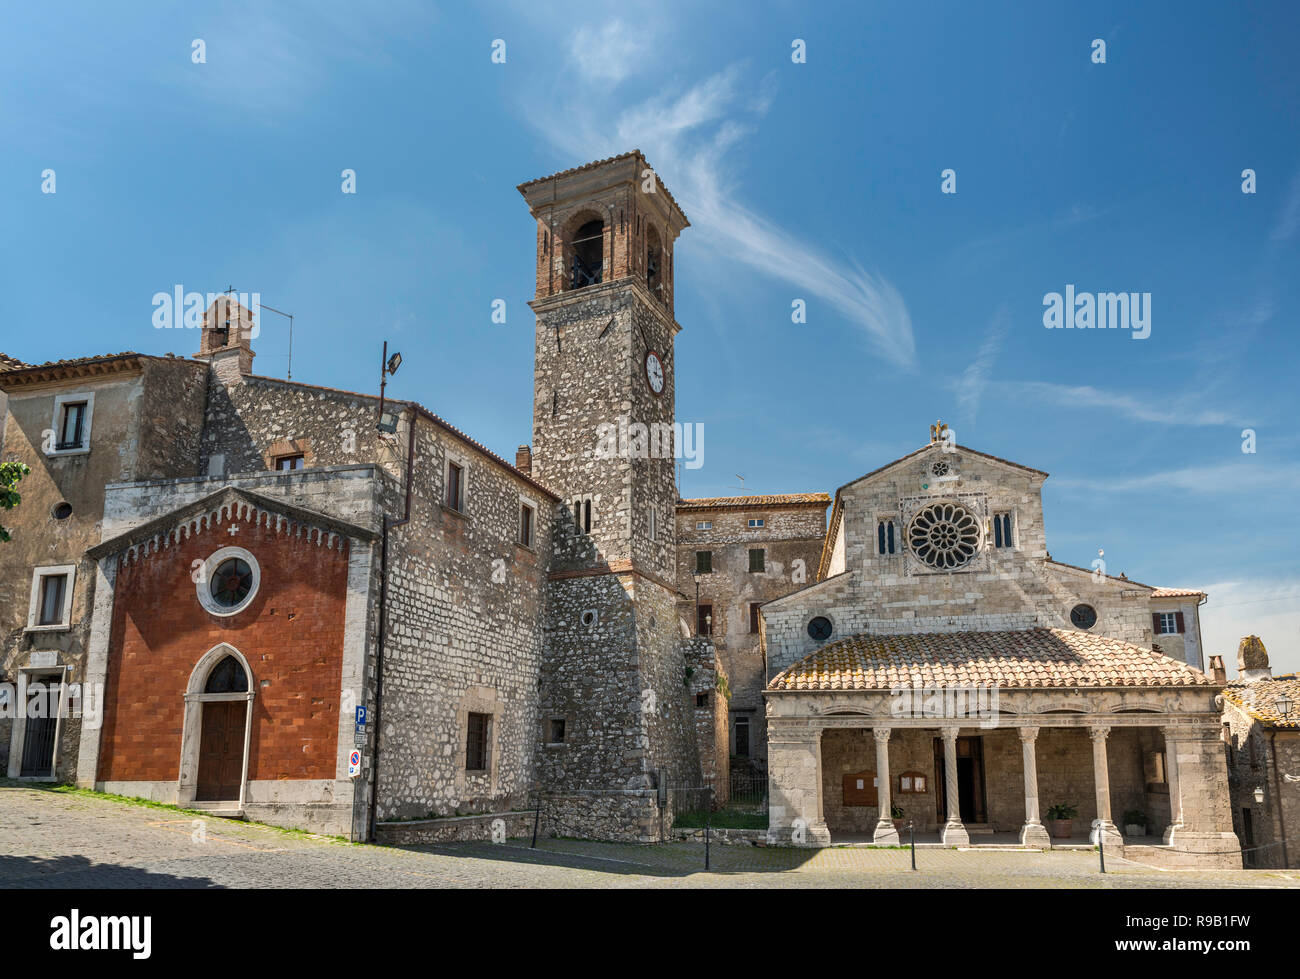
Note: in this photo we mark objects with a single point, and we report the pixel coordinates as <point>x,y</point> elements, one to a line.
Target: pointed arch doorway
<point>218,727</point>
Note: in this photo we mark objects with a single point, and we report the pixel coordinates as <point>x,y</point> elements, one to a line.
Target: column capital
<point>881,734</point>
<point>1028,735</point>
<point>1098,732</point>
<point>949,734</point>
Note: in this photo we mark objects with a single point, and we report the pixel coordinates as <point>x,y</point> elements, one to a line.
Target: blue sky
<point>818,181</point>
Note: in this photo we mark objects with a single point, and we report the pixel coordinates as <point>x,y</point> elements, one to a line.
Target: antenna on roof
<point>742,480</point>
<point>289,316</point>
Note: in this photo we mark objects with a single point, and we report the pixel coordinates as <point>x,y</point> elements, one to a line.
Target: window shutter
<point>1155,623</point>
<point>1179,616</point>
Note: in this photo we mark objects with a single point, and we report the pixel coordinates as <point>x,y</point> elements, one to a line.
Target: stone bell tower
<point>603,440</point>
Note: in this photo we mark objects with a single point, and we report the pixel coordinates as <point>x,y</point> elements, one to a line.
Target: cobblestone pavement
<point>50,839</point>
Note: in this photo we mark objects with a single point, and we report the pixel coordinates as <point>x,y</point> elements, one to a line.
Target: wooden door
<point>221,751</point>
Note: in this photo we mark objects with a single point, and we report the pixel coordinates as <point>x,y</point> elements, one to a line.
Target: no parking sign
<point>354,763</point>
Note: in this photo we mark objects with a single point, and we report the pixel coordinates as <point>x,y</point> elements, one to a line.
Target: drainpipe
<point>1277,794</point>
<point>388,524</point>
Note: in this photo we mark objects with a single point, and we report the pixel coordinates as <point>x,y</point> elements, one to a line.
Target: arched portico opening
<point>218,728</point>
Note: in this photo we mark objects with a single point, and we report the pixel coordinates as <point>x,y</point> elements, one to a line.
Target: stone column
<point>1101,779</point>
<point>1204,827</point>
<point>1175,790</point>
<point>885,832</point>
<point>954,833</point>
<point>1033,833</point>
<point>794,785</point>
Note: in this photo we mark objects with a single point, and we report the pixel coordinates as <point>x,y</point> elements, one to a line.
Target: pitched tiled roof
<point>630,154</point>
<point>1259,699</point>
<point>1177,593</point>
<point>749,502</point>
<point>1025,659</point>
<point>8,363</point>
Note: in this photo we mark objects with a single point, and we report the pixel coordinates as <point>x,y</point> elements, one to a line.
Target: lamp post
<point>388,366</point>
<point>696,576</point>
<point>1284,704</point>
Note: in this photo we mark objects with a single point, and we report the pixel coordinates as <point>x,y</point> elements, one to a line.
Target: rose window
<point>944,535</point>
<point>939,469</point>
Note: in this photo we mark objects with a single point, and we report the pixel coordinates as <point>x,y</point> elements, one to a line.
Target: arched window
<point>228,676</point>
<point>654,258</point>
<point>587,257</point>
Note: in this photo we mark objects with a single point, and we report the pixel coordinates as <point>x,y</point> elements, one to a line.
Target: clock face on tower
<point>654,372</point>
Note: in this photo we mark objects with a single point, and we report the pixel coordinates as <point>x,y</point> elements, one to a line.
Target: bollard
<point>1101,848</point>
<point>706,839</point>
<point>911,829</point>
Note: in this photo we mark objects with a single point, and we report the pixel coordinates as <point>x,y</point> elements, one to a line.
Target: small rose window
<point>231,582</point>
<point>228,581</point>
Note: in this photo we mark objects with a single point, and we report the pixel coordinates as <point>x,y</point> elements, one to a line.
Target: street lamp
<point>1259,795</point>
<point>388,366</point>
<point>696,576</point>
<point>1284,704</point>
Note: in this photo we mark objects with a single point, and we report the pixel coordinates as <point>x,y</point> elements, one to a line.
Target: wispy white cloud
<point>610,52</point>
<point>1085,396</point>
<point>976,376</point>
<point>1288,219</point>
<point>690,134</point>
<point>1268,608</point>
<point>1224,478</point>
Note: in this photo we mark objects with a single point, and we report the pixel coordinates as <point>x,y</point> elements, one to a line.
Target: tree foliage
<point>10,473</point>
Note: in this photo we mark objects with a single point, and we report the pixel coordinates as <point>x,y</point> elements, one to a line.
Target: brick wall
<point>291,634</point>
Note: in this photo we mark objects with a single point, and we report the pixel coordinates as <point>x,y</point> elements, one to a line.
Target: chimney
<point>524,459</point>
<point>1217,670</point>
<point>226,341</point>
<point>1252,660</point>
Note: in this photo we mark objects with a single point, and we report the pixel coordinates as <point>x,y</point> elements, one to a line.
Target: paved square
<point>51,839</point>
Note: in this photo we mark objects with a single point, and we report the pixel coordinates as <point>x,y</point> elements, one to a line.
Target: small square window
<point>755,522</point>
<point>51,598</point>
<point>476,742</point>
<point>702,699</point>
<point>703,562</point>
<point>555,733</point>
<point>525,525</point>
<point>286,463</point>
<point>704,525</point>
<point>71,424</point>
<point>455,486</point>
<point>1168,623</point>
<point>757,559</point>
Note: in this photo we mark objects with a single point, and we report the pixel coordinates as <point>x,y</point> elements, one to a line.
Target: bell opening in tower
<point>588,255</point>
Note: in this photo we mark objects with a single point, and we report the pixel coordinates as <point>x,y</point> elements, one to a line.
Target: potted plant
<point>1135,822</point>
<point>1061,817</point>
<point>896,814</point>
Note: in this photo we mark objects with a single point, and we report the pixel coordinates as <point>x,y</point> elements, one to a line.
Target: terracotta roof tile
<point>1024,659</point>
<point>749,502</point>
<point>8,363</point>
<point>1259,699</point>
<point>1177,593</point>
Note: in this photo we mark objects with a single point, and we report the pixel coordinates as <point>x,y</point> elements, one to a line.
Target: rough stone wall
<point>1249,748</point>
<point>467,615</point>
<point>1001,589</point>
<point>249,415</point>
<point>792,538</point>
<point>143,425</point>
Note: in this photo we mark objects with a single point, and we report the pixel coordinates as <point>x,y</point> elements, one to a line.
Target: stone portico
<point>977,733</point>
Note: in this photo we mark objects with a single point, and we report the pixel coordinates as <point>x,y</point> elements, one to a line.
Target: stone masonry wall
<point>792,541</point>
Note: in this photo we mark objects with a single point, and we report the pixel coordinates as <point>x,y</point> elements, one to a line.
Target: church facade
<point>320,609</point>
